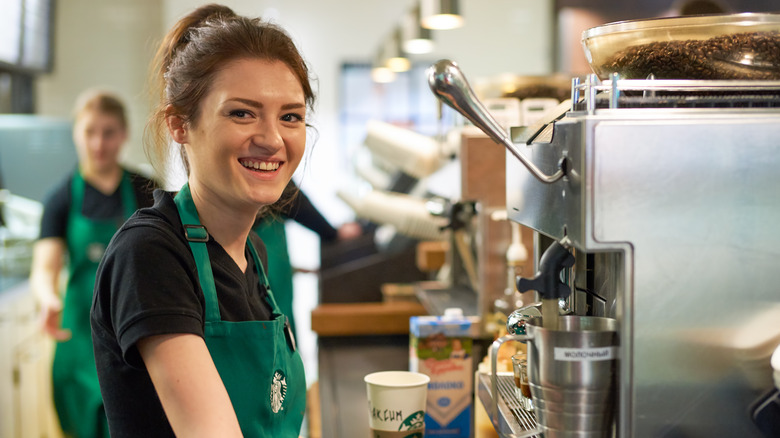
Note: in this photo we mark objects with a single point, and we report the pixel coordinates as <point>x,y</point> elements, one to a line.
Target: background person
<point>294,205</point>
<point>80,216</point>
<point>188,338</point>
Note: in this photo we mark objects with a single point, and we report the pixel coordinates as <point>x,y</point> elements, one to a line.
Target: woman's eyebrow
<point>256,104</point>
<point>250,102</point>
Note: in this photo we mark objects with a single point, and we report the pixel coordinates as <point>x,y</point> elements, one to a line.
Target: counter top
<point>9,281</point>
<point>357,319</point>
<point>12,293</point>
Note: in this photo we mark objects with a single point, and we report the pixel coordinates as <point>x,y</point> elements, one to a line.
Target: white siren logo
<point>278,390</point>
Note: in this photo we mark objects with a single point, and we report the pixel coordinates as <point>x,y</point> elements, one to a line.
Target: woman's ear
<point>177,126</point>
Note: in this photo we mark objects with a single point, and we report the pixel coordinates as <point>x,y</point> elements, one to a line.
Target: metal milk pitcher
<point>572,374</point>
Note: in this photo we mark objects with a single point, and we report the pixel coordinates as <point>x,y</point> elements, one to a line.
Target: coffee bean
<point>714,58</point>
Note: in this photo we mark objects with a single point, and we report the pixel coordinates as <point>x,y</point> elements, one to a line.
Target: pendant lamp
<point>380,73</point>
<point>440,14</point>
<point>416,39</point>
<point>395,58</point>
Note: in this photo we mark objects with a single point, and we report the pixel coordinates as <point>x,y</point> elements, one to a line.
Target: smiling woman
<point>184,321</point>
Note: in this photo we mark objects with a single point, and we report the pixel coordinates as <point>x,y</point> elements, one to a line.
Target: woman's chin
<point>267,198</point>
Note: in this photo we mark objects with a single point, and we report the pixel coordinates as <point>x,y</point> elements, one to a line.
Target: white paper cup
<point>396,401</point>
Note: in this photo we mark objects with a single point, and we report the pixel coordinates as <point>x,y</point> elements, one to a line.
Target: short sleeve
<point>54,221</point>
<point>146,286</point>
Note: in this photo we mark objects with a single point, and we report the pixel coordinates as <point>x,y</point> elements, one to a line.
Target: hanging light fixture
<point>416,39</point>
<point>395,58</point>
<point>380,73</point>
<point>440,14</point>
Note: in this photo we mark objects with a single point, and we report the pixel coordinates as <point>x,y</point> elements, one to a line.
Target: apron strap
<point>263,277</point>
<point>197,236</point>
<point>76,193</point>
<point>288,333</point>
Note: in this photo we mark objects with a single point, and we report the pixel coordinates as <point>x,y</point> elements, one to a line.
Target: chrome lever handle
<point>451,87</point>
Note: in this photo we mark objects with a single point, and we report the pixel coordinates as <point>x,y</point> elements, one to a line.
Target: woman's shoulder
<point>59,192</point>
<point>143,186</point>
<point>162,214</point>
<point>152,235</point>
<point>159,221</point>
<point>56,205</point>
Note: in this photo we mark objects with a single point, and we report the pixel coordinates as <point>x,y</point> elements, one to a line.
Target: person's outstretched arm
<point>47,263</point>
<point>189,387</point>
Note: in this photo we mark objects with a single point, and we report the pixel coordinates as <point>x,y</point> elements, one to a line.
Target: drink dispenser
<point>571,358</point>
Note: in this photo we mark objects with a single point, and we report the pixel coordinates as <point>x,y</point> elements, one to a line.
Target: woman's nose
<point>95,141</point>
<point>268,135</point>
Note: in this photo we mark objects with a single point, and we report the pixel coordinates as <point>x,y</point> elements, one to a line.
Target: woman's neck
<point>105,180</point>
<point>227,226</point>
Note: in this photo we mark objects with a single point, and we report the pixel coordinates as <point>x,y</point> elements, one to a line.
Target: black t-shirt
<point>96,205</point>
<point>147,284</point>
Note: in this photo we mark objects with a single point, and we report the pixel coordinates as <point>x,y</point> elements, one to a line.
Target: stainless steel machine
<point>667,192</point>
<point>671,214</point>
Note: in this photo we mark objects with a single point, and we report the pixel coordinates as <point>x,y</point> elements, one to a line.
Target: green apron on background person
<point>75,385</point>
<point>280,272</point>
<point>256,360</point>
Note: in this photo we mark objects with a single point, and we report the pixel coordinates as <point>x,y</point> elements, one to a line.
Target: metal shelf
<point>512,420</point>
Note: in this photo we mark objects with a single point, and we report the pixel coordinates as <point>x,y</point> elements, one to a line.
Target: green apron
<point>280,271</point>
<point>74,376</point>
<point>256,360</point>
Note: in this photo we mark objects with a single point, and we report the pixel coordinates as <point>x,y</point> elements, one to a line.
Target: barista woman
<point>188,338</point>
<point>79,218</point>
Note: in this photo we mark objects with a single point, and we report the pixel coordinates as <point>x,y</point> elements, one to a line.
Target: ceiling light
<point>380,73</point>
<point>440,14</point>
<point>416,39</point>
<point>395,58</point>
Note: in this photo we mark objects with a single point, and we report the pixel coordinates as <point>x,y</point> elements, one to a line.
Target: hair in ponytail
<point>194,51</point>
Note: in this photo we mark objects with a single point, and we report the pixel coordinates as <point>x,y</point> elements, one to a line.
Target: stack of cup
<point>396,404</point>
<point>572,376</point>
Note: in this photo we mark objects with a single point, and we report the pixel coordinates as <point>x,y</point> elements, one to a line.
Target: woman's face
<point>99,138</point>
<point>250,134</point>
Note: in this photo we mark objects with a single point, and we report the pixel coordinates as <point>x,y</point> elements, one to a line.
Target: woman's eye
<point>292,117</point>
<point>241,114</point>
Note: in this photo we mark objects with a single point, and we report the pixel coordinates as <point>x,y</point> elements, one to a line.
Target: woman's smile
<point>261,166</point>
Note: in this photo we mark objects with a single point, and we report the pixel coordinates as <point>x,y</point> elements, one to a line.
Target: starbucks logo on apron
<point>278,390</point>
<point>95,252</point>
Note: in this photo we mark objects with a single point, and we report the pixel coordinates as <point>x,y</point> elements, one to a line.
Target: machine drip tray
<point>513,420</point>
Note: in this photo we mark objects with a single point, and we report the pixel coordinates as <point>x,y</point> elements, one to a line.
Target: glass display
<point>731,46</point>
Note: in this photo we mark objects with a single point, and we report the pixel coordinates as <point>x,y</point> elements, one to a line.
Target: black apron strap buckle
<point>196,233</point>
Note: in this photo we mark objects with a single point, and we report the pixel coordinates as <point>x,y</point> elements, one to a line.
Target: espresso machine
<point>667,194</point>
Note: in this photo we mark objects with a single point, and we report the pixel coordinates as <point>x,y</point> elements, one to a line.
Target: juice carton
<point>441,348</point>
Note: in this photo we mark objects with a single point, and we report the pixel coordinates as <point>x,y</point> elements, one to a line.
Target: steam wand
<point>450,86</point>
<point>548,284</point>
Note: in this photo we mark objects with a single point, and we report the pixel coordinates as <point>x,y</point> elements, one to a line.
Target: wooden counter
<point>358,319</point>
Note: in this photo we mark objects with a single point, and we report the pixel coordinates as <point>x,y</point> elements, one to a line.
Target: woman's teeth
<point>261,165</point>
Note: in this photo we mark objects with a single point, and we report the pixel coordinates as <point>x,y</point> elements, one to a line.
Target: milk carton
<point>441,348</point>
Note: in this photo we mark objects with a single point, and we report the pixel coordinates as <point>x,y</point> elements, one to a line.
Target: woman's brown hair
<point>194,51</point>
<point>101,102</point>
